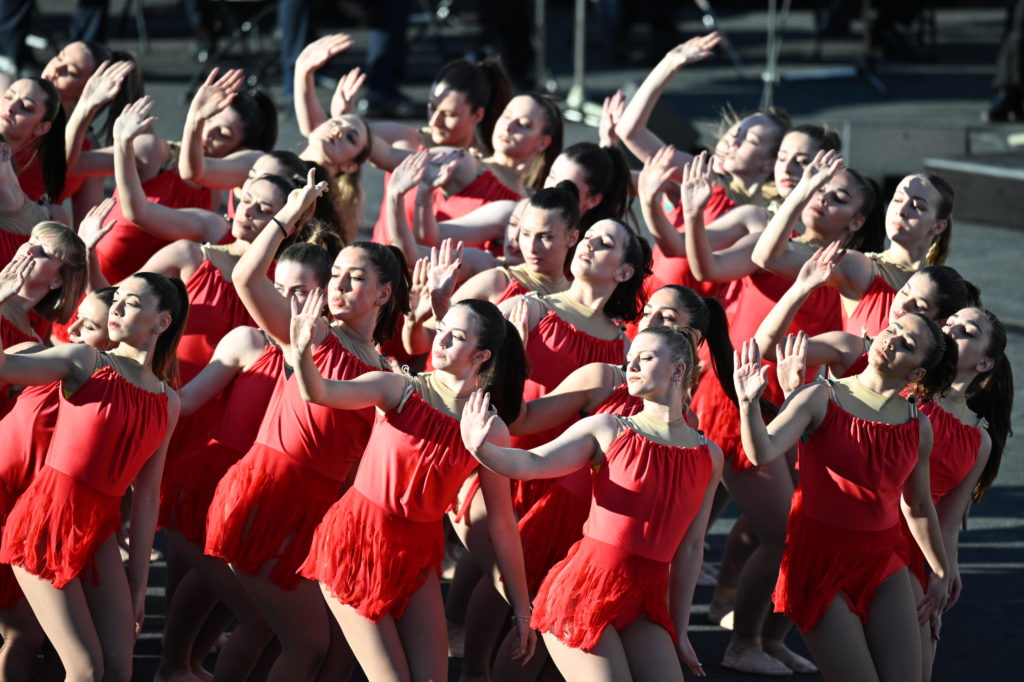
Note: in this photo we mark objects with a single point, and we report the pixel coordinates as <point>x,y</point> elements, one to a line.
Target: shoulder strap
<point>913,407</point>
<point>830,383</point>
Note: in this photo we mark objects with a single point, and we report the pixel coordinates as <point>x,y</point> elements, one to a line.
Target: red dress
<point>871,314</point>
<point>187,489</point>
<point>844,531</point>
<point>9,243</point>
<point>127,248</point>
<point>268,503</point>
<point>27,427</point>
<point>954,454</point>
<point>554,348</point>
<point>30,177</point>
<point>483,190</point>
<point>381,541</point>
<point>646,494</point>
<point>11,335</point>
<point>105,432</point>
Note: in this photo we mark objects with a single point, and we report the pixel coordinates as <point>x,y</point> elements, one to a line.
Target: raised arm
<point>658,170</point>
<point>923,522</point>
<point>268,308</point>
<point>382,390</point>
<point>632,127</point>
<point>576,447</point>
<point>406,176</point>
<point>706,264</point>
<point>100,90</point>
<point>159,221</point>
<point>486,223</point>
<point>91,229</point>
<point>238,349</point>
<point>145,509</point>
<point>212,97</point>
<point>579,393</point>
<point>416,338</point>
<point>686,568</point>
<point>801,412</point>
<point>308,111</point>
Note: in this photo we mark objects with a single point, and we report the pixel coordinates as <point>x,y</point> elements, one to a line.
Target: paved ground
<point>982,635</point>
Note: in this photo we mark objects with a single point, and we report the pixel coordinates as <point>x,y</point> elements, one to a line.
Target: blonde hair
<point>59,304</point>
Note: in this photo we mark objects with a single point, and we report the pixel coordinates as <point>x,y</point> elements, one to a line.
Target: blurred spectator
<point>1008,103</point>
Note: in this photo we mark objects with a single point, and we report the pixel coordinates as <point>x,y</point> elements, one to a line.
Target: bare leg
<point>460,591</point>
<point>927,643</point>
<point>741,543</point>
<point>839,645</point>
<point>22,639</point>
<point>189,609</point>
<point>423,635</point>
<point>377,646</point>
<point>485,619</point>
<point>650,652</point>
<point>893,634</point>
<point>508,670</point>
<point>110,604</point>
<point>340,660</point>
<point>299,620</point>
<point>606,662</point>
<point>764,495</point>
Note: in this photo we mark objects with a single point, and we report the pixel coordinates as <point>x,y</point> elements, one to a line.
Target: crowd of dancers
<point>518,375</point>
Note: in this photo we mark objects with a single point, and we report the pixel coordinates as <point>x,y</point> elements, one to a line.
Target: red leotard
<point>105,432</point>
<point>871,314</point>
<point>954,453</point>
<point>126,248</point>
<point>380,542</point>
<point>9,243</point>
<point>27,427</point>
<point>11,335</point>
<point>844,532</point>
<point>187,489</point>
<point>484,189</point>
<point>31,176</point>
<point>302,453</point>
<point>646,495</point>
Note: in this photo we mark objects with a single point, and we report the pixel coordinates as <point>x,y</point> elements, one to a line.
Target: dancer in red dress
<point>377,553</point>
<point>247,367</point>
<point>604,610</point>
<point>302,452</point>
<point>970,422</point>
<point>919,225</point>
<point>28,427</point>
<point>863,453</point>
<point>66,521</point>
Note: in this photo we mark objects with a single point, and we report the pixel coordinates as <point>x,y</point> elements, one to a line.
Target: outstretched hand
<point>694,50</point>
<point>13,276</point>
<point>105,83</point>
<point>658,170</point>
<point>409,173</point>
<point>345,94</point>
<point>611,112</point>
<point>749,377</point>
<point>301,199</point>
<point>817,270</point>
<point>445,262</point>
<point>216,93</point>
<point>320,51</point>
<point>695,189</point>
<point>304,319</point>
<point>134,119</point>
<point>791,356</point>
<point>419,291</point>
<point>477,420</point>
<point>820,170</point>
<point>91,229</point>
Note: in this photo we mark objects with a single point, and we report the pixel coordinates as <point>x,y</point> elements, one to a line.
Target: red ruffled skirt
<point>265,509</point>
<point>186,491</point>
<point>549,530</point>
<point>57,525</point>
<point>598,585</point>
<point>822,560</point>
<point>371,559</point>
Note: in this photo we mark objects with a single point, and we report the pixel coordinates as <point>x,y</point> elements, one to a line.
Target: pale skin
<point>397,648</point>
<point>843,649</point>
<point>93,628</point>
<point>641,650</point>
<point>911,223</point>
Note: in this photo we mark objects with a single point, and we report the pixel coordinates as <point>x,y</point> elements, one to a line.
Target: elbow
<point>760,258</point>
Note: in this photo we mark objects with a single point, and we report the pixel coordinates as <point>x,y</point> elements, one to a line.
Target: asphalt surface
<point>947,85</point>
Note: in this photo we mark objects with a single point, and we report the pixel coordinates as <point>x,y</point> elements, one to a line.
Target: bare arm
<point>101,89</point>
<point>483,224</point>
<point>145,509</point>
<point>237,350</point>
<point>309,113</point>
<point>579,393</point>
<point>686,567</point>
<point>212,97</point>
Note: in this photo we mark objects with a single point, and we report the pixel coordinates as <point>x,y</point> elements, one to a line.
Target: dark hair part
<point>259,115</point>
<point>870,237</point>
<point>504,373</point>
<point>939,363</point>
<point>708,318</point>
<point>626,302</point>
<point>132,88</point>
<point>394,271</point>
<point>938,250</point>
<point>990,395</point>
<point>955,293</point>
<point>52,162</point>
<point>297,168</point>
<point>606,173</point>
<point>828,140</point>
<point>106,295</point>
<point>484,85</point>
<point>171,296</point>
<point>316,253</point>
<point>564,199</point>
<point>554,127</point>
<point>682,344</point>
